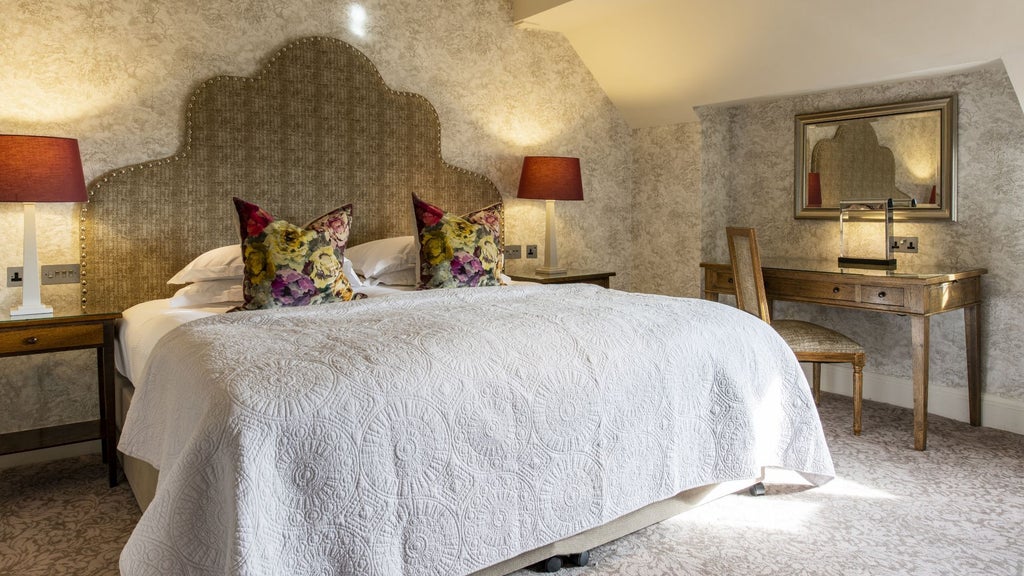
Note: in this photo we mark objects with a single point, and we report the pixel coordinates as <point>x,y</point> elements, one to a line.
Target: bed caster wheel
<point>757,489</point>
<point>553,564</point>
<point>581,559</point>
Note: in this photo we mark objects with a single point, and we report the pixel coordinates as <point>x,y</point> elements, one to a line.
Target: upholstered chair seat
<point>808,337</point>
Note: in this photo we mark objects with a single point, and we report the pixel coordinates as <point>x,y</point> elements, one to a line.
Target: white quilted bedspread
<point>441,432</point>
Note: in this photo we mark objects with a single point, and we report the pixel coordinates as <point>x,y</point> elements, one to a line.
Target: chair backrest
<point>746,272</point>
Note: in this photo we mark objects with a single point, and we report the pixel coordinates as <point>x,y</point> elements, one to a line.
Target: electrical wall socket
<point>904,244</point>
<point>15,276</point>
<point>49,274</point>
<point>513,252</point>
<point>531,250</point>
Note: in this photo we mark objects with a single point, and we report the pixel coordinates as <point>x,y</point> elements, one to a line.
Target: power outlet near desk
<point>904,244</point>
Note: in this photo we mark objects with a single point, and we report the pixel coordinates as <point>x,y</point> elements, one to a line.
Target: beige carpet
<point>956,509</point>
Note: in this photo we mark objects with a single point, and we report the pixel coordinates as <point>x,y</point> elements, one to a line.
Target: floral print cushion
<point>458,252</point>
<point>288,265</point>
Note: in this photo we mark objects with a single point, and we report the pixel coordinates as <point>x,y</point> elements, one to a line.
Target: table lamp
<point>550,178</point>
<point>38,169</point>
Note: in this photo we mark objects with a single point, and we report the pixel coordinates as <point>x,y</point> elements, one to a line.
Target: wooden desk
<point>918,294</point>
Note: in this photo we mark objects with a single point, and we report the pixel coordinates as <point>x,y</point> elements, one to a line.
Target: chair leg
<point>858,390</point>
<point>816,382</point>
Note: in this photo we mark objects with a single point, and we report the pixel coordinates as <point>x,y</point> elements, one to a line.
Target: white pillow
<point>398,278</point>
<point>209,292</point>
<point>388,261</point>
<point>223,262</point>
<point>350,273</point>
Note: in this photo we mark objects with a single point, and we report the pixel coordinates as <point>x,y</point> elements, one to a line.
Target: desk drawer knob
<point>730,280</point>
<point>835,290</point>
<point>31,340</point>
<point>881,294</point>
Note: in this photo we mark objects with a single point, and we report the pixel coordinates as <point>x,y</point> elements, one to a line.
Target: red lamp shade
<point>40,169</point>
<point>551,178</point>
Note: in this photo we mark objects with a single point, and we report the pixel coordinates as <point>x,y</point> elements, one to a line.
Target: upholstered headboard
<point>315,129</point>
<point>854,166</point>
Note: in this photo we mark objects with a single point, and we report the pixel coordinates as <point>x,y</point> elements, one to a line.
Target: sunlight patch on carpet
<point>762,513</point>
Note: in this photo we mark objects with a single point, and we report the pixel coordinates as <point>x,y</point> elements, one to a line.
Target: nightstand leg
<point>103,404</point>
<point>105,364</point>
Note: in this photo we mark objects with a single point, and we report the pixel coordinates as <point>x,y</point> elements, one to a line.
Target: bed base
<point>143,478</point>
<point>143,481</point>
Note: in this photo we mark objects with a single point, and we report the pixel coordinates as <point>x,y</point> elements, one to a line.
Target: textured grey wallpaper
<point>116,73</point>
<point>747,180</point>
<point>666,209</point>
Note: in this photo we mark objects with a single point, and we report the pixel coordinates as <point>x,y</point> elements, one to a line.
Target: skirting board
<point>996,412</point>
<point>47,454</point>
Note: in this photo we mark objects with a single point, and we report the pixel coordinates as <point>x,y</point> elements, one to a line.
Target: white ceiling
<point>657,59</point>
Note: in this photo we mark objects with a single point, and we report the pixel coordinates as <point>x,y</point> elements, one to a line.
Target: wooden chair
<point>810,342</point>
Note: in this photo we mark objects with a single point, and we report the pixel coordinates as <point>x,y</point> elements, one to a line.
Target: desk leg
<point>972,326</point>
<point>919,328</point>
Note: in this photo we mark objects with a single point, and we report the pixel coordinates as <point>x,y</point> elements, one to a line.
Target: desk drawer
<point>29,340</point>
<point>810,291</point>
<point>720,281</point>
<point>888,295</point>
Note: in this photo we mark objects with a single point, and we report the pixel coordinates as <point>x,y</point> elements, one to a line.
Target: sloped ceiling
<point>657,59</point>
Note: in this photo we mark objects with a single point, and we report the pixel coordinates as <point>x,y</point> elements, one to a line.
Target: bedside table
<point>571,277</point>
<point>23,336</point>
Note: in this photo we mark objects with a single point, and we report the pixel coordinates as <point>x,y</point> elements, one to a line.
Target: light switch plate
<point>61,274</point>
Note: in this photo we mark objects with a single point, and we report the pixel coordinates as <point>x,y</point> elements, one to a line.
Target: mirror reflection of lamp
<point>813,190</point>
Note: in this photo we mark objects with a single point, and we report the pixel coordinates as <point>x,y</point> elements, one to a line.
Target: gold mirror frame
<point>910,167</point>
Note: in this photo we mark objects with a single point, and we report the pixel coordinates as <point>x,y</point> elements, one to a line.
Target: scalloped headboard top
<point>315,129</point>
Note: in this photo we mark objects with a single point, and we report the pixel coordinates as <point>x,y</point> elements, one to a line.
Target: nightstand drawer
<point>43,338</point>
<point>601,279</point>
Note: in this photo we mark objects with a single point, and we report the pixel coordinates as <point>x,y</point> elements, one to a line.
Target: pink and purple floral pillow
<point>458,252</point>
<point>288,265</point>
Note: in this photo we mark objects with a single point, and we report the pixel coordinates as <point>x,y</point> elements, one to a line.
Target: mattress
<point>440,432</point>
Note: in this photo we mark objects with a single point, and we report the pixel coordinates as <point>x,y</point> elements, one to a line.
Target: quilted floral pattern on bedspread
<point>441,432</point>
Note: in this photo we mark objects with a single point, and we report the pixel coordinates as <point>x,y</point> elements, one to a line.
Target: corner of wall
<point>1014,64</point>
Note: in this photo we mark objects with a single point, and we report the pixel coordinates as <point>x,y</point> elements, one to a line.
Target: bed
<point>450,431</point>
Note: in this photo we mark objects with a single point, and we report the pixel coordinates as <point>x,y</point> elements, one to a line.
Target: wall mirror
<point>901,151</point>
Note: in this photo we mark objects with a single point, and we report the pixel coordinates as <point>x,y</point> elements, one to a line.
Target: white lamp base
<point>41,311</point>
<point>550,267</point>
<point>31,305</point>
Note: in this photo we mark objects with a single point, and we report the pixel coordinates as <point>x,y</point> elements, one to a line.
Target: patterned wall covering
<point>115,74</point>
<point>666,213</point>
<point>747,180</point>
